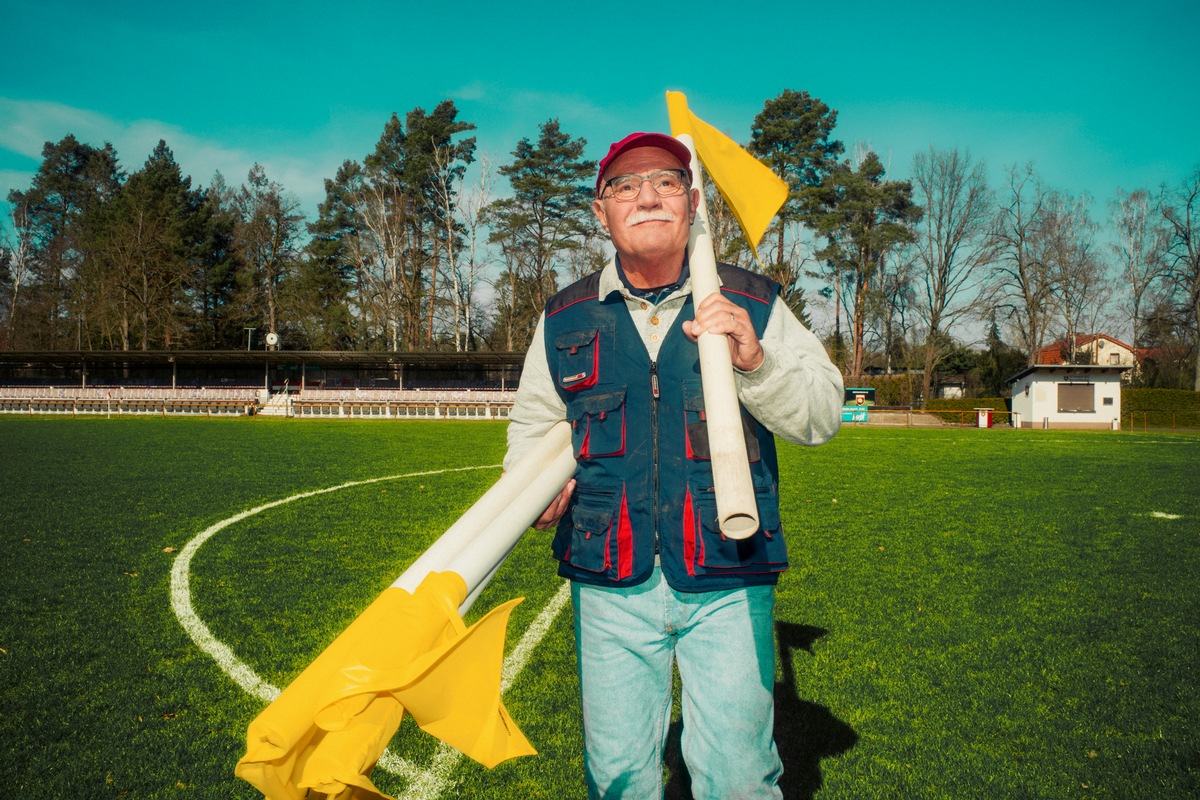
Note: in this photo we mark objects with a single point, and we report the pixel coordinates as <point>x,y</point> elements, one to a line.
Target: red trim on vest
<point>687,440</point>
<point>568,305</point>
<point>624,541</point>
<point>746,294</point>
<point>689,531</point>
<point>607,549</point>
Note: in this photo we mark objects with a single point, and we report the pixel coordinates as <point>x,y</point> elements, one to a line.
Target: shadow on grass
<point>805,732</point>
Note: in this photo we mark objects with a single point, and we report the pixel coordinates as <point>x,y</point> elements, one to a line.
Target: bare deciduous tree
<point>463,217</point>
<point>19,250</point>
<point>1024,286</point>
<point>378,248</point>
<point>1138,248</point>
<point>1068,246</point>
<point>953,246</point>
<point>1181,210</point>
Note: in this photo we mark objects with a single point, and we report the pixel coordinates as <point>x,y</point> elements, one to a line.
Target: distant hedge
<point>1149,408</point>
<point>1160,408</point>
<point>957,405</point>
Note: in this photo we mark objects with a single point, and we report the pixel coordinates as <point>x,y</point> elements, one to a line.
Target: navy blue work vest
<point>644,480</point>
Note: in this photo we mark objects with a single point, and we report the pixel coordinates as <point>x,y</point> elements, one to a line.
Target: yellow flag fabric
<point>328,728</point>
<point>753,192</point>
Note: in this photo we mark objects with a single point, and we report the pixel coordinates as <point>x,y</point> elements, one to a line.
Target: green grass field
<point>970,613</point>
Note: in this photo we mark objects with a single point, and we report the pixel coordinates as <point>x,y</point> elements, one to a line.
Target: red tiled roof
<point>1054,353</point>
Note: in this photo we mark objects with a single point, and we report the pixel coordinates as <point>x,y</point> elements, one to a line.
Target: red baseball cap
<point>659,140</point>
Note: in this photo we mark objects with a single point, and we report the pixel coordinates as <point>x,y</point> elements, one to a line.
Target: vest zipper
<point>654,444</point>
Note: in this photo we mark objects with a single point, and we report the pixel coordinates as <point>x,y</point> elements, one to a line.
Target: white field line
<point>425,783</point>
<point>1165,515</point>
<point>181,592</point>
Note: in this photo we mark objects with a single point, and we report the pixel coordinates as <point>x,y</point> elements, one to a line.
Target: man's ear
<point>598,210</point>
<point>695,205</point>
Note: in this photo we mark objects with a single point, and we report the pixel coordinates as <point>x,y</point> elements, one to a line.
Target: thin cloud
<point>27,125</point>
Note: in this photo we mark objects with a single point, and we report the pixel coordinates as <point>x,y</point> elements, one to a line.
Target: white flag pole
<point>737,510</point>
<point>479,562</point>
<point>503,514</point>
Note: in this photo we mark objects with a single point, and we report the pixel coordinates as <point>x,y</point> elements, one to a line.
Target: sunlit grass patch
<point>969,613</point>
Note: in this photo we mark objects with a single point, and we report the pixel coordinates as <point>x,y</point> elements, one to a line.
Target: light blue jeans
<point>626,640</point>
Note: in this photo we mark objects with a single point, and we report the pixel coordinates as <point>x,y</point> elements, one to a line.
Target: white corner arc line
<point>426,782</point>
<point>181,592</point>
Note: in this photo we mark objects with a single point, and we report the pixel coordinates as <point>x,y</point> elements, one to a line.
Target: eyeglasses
<point>666,182</point>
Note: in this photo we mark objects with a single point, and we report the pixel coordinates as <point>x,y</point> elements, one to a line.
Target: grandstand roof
<point>321,357</point>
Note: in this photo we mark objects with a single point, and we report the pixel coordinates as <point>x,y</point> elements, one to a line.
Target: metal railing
<point>1161,420</point>
<point>400,409</point>
<point>898,416</point>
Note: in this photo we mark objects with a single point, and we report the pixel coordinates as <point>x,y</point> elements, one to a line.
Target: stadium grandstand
<point>427,385</point>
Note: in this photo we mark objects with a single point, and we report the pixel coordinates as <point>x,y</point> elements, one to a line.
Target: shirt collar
<point>613,279</point>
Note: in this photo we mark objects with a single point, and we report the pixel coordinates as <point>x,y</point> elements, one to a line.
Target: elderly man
<point>653,580</point>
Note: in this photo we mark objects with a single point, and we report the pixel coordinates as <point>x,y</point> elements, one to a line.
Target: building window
<point>1108,401</point>
<point>1114,358</point>
<point>1076,397</point>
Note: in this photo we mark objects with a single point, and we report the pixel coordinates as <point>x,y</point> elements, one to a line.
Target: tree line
<point>404,255</point>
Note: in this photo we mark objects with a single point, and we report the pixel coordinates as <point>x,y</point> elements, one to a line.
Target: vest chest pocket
<point>696,427</point>
<point>578,354</point>
<point>598,425</point>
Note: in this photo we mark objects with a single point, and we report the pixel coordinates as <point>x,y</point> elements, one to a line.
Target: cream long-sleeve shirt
<point>796,392</point>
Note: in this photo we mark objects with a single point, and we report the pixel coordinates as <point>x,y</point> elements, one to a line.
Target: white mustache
<point>657,215</point>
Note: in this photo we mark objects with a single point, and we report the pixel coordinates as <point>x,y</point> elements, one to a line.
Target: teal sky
<point>1099,95</point>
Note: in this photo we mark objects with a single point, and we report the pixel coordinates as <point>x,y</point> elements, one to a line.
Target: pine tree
<point>143,241</point>
<point>863,217</point>
<point>547,219</point>
<point>72,179</point>
<point>792,136</point>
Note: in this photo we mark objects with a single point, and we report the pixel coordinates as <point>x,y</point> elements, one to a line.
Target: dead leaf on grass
<point>170,549</point>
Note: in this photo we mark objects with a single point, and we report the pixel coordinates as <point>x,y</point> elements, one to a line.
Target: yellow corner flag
<point>406,652</point>
<point>753,192</point>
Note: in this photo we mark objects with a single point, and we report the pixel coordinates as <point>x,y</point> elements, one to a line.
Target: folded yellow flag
<point>753,192</point>
<point>327,729</point>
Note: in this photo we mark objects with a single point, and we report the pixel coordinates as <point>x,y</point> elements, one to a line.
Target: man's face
<point>649,226</point>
